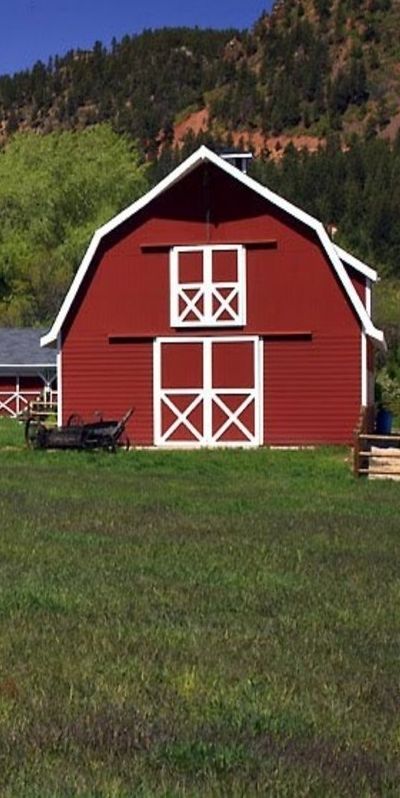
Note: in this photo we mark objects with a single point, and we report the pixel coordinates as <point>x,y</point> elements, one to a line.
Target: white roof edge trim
<point>167,182</point>
<point>51,336</point>
<point>204,154</point>
<point>357,264</point>
<point>28,365</point>
<point>366,321</point>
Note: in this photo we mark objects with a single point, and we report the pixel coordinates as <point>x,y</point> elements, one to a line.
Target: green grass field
<point>197,624</point>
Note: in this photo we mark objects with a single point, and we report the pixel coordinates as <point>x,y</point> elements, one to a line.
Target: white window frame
<point>207,289</point>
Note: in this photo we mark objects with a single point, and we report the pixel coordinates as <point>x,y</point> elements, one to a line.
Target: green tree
<point>55,190</point>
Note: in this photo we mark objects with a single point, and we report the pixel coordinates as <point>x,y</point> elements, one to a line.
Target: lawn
<point>206,623</point>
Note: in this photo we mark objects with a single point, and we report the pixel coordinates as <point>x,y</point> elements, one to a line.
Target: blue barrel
<point>384,421</point>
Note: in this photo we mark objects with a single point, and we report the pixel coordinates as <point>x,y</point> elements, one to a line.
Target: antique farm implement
<point>101,434</point>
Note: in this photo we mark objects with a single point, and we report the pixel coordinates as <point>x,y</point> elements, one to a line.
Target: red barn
<point>223,313</point>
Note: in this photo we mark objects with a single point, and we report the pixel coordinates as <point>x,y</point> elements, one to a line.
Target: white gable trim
<point>344,278</point>
<point>357,264</point>
<point>201,155</point>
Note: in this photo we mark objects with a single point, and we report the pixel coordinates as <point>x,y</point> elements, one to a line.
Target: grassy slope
<point>206,623</point>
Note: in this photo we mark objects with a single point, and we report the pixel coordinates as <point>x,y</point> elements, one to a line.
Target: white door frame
<point>207,395</point>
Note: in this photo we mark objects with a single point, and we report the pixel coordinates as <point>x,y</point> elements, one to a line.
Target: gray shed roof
<point>20,346</point>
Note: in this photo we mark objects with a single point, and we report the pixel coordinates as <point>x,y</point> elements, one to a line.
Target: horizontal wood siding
<point>8,384</point>
<point>290,287</point>
<point>30,386</point>
<point>109,378</point>
<point>7,389</point>
<point>312,387</point>
<point>312,390</point>
<point>26,382</point>
<point>359,282</point>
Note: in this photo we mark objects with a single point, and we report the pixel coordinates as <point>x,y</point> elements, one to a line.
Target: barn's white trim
<point>16,400</point>
<point>156,390</point>
<point>59,381</point>
<point>368,297</point>
<point>364,372</point>
<point>357,264</point>
<point>203,154</point>
<point>260,372</point>
<point>208,396</point>
<point>202,305</point>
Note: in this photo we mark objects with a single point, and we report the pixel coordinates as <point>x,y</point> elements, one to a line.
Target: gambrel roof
<point>20,346</point>
<point>337,256</point>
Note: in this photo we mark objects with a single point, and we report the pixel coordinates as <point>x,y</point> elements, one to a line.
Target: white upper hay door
<point>208,286</point>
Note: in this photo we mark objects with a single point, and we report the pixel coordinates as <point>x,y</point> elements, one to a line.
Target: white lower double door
<point>208,391</point>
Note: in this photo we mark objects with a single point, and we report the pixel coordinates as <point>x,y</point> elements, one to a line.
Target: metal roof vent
<point>239,159</point>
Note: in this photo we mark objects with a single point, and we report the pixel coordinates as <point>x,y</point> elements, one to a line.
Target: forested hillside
<point>317,65</point>
<point>309,66</point>
<point>140,85</point>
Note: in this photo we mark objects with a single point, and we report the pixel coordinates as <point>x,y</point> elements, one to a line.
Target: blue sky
<point>35,29</point>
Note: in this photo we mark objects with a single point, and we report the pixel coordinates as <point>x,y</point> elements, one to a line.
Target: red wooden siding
<point>370,355</point>
<point>109,378</point>
<point>183,367</point>
<point>7,389</point>
<point>30,386</point>
<point>233,365</point>
<point>191,267</point>
<point>312,390</point>
<point>224,266</point>
<point>290,287</point>
<point>358,280</point>
<point>7,384</point>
